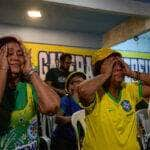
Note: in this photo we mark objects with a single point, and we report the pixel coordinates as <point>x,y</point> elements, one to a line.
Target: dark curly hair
<point>64,56</point>
<point>7,39</point>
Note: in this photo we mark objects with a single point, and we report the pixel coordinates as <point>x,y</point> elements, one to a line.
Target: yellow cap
<point>103,53</point>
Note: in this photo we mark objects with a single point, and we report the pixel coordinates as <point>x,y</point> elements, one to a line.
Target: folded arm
<point>3,70</point>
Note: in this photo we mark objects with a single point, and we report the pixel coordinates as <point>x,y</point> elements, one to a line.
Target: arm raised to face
<point>87,89</point>
<point>48,101</point>
<point>3,69</point>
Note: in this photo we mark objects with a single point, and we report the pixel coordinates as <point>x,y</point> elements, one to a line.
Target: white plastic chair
<point>44,138</point>
<point>78,123</point>
<point>143,122</point>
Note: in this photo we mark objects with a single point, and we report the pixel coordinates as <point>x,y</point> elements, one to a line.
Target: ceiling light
<point>34,14</point>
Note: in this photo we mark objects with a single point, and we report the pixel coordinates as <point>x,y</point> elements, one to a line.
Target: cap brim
<point>99,57</point>
<point>71,75</point>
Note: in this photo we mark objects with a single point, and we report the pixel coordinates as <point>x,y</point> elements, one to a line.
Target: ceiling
<point>144,1</point>
<point>68,15</point>
<point>59,16</point>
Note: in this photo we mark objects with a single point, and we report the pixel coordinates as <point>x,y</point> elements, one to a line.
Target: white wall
<point>36,35</point>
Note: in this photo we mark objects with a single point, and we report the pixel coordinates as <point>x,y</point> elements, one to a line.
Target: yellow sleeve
<point>136,91</point>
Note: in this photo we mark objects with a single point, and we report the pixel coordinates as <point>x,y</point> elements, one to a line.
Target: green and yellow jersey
<point>20,129</point>
<point>111,125</point>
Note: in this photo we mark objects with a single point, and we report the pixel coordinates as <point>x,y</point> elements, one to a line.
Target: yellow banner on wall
<point>46,56</point>
<point>36,48</point>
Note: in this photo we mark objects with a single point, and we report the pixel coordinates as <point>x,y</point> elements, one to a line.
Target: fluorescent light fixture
<point>34,14</point>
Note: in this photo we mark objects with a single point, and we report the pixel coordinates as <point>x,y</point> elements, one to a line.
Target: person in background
<point>22,94</point>
<point>110,103</point>
<point>64,136</point>
<point>56,77</point>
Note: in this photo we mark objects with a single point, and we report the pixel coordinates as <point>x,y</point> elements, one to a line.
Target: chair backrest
<point>144,119</point>
<point>45,141</point>
<point>78,123</point>
<point>143,122</point>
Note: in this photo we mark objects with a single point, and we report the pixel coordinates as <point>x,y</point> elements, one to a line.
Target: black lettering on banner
<point>134,64</point>
<point>146,65</point>
<point>141,65</point>
<point>149,66</point>
<point>43,63</point>
<point>138,64</point>
<point>47,60</point>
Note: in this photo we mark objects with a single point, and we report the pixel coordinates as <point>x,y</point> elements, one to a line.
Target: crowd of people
<point>109,102</point>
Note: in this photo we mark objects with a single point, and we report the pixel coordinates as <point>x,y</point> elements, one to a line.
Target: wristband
<point>29,74</point>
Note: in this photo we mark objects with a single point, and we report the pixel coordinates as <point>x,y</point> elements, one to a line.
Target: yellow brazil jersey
<point>112,123</point>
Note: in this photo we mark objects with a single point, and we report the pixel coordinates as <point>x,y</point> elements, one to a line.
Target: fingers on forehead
<point>116,58</point>
<point>3,49</point>
<point>109,59</point>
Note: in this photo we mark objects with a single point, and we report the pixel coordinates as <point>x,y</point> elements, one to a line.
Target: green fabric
<point>21,93</point>
<point>140,89</point>
<point>117,100</point>
<point>112,125</point>
<point>35,99</point>
<point>20,128</point>
<point>14,96</point>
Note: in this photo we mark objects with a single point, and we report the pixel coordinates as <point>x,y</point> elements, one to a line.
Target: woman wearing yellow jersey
<point>110,103</point>
<point>22,92</point>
